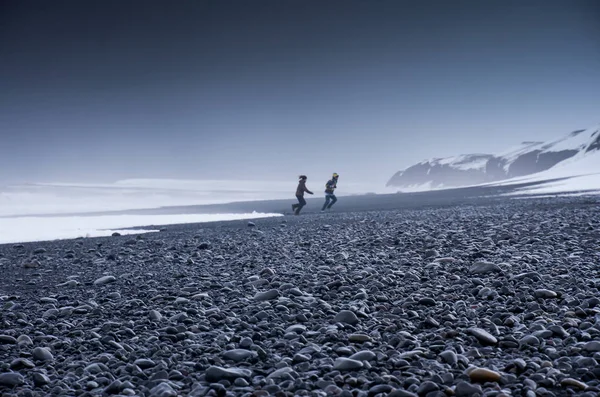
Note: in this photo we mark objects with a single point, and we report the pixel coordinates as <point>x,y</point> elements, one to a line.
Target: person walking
<point>330,187</point>
<point>300,195</point>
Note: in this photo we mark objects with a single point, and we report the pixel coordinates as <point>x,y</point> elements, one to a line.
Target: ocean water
<point>33,228</point>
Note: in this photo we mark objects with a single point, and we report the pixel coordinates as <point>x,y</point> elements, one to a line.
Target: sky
<point>104,90</point>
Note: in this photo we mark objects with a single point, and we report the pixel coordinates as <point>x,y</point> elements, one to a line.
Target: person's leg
<point>333,200</point>
<point>301,203</point>
<point>295,206</point>
<point>327,198</point>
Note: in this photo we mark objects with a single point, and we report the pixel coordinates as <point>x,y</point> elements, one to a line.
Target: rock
<point>296,328</point>
<point>144,363</point>
<point>163,389</point>
<point>282,373</point>
<point>216,374</point>
<point>464,389</point>
<point>427,387</point>
<point>529,340</point>
<point>341,256</point>
<point>251,224</point>
<point>69,284</point>
<point>116,234</point>
<point>573,383</point>
<point>484,268</point>
<point>42,354</point>
<point>11,379</point>
<point>483,336</point>
<point>24,340</point>
<point>482,375</point>
<point>113,388</point>
<point>364,355</point>
<point>155,315</point>
<point>238,355</point>
<point>359,338</point>
<point>346,316</point>
<point>105,280</point>
<point>431,253</point>
<point>31,264</point>
<point>544,294</point>
<point>7,340</point>
<point>445,260</point>
<point>21,363</point>
<point>592,346</point>
<point>40,379</point>
<point>401,393</point>
<point>449,357</point>
<point>347,364</point>
<point>267,272</point>
<point>267,295</point>
<point>427,301</point>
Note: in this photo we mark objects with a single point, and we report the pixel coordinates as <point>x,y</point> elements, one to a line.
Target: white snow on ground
<point>587,183</point>
<point>462,162</point>
<point>513,153</point>
<point>574,141</point>
<point>580,173</point>
<point>27,229</point>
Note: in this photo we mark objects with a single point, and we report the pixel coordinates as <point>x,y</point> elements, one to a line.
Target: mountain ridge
<point>529,157</point>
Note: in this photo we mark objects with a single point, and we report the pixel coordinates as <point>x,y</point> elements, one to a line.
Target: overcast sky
<point>106,90</point>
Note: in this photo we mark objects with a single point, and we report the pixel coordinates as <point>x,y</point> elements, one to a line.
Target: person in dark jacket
<point>330,187</point>
<point>300,195</point>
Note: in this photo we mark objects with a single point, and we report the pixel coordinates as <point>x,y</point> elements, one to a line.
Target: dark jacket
<point>302,188</point>
<point>330,186</point>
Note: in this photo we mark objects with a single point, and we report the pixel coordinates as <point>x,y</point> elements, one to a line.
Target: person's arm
<point>306,190</point>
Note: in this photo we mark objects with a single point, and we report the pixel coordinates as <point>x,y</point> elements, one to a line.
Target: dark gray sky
<point>105,90</point>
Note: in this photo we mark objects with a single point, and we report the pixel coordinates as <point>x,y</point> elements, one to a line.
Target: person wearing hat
<point>330,187</point>
<point>300,195</point>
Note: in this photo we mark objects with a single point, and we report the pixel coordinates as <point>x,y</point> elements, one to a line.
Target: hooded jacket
<point>302,188</point>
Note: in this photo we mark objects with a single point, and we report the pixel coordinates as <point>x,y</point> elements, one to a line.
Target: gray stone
<point>364,355</point>
<point>216,374</point>
<point>267,295</point>
<point>105,280</point>
<point>155,315</point>
<point>592,346</point>
<point>346,316</point>
<point>483,336</point>
<point>238,355</point>
<point>7,340</point>
<point>21,363</point>
<point>427,387</point>
<point>11,379</point>
<point>484,268</point>
<point>545,294</point>
<point>163,390</point>
<point>449,357</point>
<point>42,354</point>
<point>465,389</point>
<point>529,340</point>
<point>24,340</point>
<point>40,379</point>
<point>144,363</point>
<point>347,364</point>
<point>283,373</point>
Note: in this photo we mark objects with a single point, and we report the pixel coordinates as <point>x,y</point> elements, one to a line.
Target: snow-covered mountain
<point>472,169</point>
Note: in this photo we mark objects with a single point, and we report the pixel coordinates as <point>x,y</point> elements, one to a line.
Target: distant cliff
<point>471,169</point>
